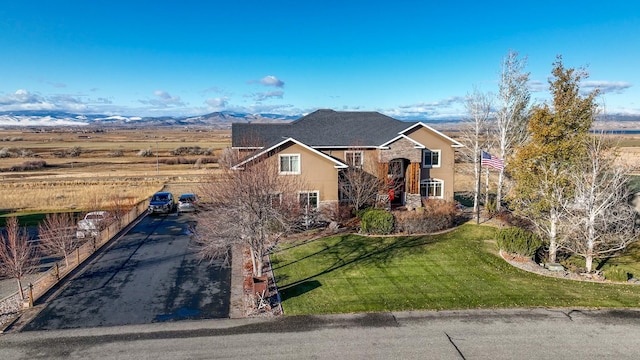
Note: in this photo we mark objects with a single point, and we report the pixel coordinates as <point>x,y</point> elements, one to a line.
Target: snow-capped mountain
<point>55,118</point>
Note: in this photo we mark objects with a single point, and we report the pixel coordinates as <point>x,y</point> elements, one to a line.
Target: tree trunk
<point>590,245</point>
<point>259,265</point>
<point>499,190</point>
<point>588,261</point>
<point>553,245</point>
<point>253,261</point>
<point>20,291</point>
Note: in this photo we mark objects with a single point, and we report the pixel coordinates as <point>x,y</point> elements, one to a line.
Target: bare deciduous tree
<point>601,221</point>
<point>17,255</point>
<point>121,205</point>
<point>57,235</point>
<point>360,184</point>
<point>512,113</point>
<point>473,136</point>
<point>251,206</point>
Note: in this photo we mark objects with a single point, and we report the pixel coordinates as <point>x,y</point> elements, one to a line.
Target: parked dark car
<point>162,203</point>
<point>187,203</point>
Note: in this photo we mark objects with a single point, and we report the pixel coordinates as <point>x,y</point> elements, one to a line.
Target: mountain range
<point>217,120</point>
<point>220,120</point>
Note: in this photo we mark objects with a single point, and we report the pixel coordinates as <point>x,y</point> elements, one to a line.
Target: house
<point>416,160</point>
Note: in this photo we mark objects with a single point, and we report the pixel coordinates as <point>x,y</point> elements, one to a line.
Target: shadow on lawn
<point>355,250</point>
<point>299,288</point>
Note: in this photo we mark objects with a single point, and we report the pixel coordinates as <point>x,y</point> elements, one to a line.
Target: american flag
<point>491,161</point>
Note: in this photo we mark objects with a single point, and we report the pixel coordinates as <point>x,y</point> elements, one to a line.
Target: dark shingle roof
<point>323,128</point>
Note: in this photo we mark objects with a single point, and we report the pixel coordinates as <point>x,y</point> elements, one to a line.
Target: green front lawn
<point>456,270</point>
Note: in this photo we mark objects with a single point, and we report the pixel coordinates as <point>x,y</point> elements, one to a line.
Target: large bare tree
<point>601,220</point>
<point>253,206</point>
<point>57,235</point>
<point>512,112</point>
<point>360,184</point>
<point>17,254</point>
<point>473,136</point>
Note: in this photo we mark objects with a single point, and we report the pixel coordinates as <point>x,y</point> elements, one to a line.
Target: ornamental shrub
<point>376,221</point>
<point>435,215</point>
<point>515,240</point>
<point>616,273</point>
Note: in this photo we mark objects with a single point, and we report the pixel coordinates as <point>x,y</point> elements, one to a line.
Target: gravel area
<point>9,307</point>
<point>529,265</point>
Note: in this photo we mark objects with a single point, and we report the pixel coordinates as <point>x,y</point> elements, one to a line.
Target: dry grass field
<point>64,169</point>
<point>61,170</point>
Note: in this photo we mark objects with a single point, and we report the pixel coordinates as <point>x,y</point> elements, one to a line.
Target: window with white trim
<point>275,199</point>
<point>430,158</point>
<point>289,164</point>
<point>309,200</point>
<point>431,188</point>
<point>354,158</point>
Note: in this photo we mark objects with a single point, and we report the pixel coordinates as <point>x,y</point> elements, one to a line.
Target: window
<point>275,200</point>
<point>354,158</point>
<point>309,200</point>
<point>290,164</point>
<point>430,158</point>
<point>344,191</point>
<point>431,188</point>
<point>396,169</point>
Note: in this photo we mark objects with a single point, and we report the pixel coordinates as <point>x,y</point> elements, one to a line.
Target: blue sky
<point>408,59</point>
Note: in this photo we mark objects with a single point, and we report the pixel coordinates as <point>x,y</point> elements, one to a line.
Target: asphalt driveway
<point>152,274</point>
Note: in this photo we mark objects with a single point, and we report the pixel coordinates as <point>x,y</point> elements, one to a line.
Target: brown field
<point>108,168</point>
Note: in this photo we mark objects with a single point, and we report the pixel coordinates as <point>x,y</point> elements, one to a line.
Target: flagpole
<point>478,189</point>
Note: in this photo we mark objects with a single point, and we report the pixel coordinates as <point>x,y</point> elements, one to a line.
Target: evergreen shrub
<point>376,221</point>
<point>515,240</point>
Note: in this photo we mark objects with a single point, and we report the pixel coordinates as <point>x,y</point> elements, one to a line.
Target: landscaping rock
<point>554,267</point>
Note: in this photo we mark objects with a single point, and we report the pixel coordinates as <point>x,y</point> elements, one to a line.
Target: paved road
<point>152,274</point>
<point>505,334</point>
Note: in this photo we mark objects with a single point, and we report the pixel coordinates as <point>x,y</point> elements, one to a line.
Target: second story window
<point>354,158</point>
<point>430,158</point>
<point>290,164</point>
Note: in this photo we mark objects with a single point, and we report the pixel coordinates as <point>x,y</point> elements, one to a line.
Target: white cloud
<point>268,95</point>
<point>617,87</point>
<point>446,108</point>
<point>269,80</point>
<point>537,86</point>
<point>217,103</point>
<point>163,100</point>
<point>24,100</point>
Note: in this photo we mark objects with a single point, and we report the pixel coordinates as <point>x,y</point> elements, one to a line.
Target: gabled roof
<point>337,163</point>
<point>454,143</point>
<point>323,128</point>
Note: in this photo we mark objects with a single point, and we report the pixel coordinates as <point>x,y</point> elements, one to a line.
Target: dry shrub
<point>116,153</point>
<point>185,161</point>
<point>191,150</point>
<point>435,215</point>
<point>340,213</point>
<point>29,165</point>
<point>13,152</point>
<point>145,153</point>
<point>73,152</point>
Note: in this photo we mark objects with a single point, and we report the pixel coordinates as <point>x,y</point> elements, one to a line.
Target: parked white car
<point>90,225</point>
<point>187,203</point>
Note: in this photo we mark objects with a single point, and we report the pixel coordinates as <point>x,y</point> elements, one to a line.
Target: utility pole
<point>157,160</point>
